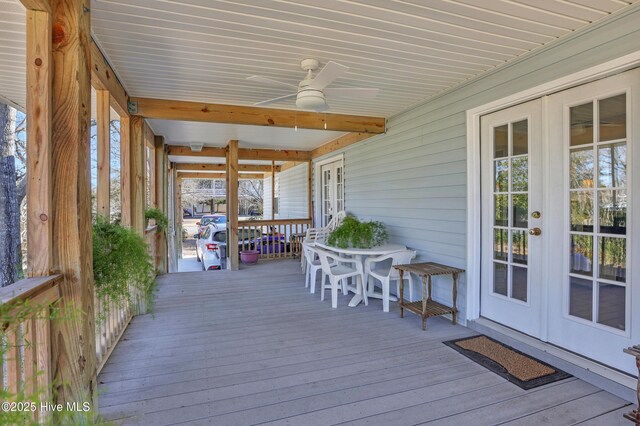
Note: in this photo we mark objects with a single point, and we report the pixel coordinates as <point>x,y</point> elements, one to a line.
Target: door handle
<point>535,231</point>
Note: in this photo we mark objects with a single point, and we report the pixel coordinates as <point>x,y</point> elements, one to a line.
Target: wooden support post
<point>232,205</point>
<point>310,190</point>
<point>138,174</point>
<point>103,118</point>
<point>39,80</point>
<point>179,215</point>
<point>161,194</point>
<point>73,339</point>
<point>273,190</point>
<point>125,171</point>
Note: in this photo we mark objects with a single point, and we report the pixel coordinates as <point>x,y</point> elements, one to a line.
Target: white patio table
<point>360,254</point>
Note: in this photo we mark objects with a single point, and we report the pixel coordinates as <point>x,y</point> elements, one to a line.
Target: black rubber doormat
<point>515,366</point>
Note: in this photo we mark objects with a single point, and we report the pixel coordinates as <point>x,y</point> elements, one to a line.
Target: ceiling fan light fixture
<point>311,99</point>
<point>196,147</point>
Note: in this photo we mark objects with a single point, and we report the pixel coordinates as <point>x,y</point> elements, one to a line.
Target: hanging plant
<point>162,222</point>
<point>353,233</point>
<point>122,265</point>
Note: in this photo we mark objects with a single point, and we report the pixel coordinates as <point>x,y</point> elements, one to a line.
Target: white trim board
<point>621,64</point>
<point>317,165</point>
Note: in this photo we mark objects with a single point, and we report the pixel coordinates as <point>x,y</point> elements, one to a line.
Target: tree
<point>10,247</point>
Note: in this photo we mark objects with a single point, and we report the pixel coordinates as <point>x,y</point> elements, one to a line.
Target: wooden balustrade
<point>26,329</point>
<point>274,239</point>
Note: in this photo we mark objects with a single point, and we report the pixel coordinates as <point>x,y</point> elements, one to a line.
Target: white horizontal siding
<point>293,193</point>
<point>413,178</point>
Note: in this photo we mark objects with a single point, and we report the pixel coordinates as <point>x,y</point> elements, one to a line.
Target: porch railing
<point>26,324</point>
<point>274,239</point>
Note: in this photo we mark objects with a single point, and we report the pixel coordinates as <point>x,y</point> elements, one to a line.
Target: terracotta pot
<point>249,257</point>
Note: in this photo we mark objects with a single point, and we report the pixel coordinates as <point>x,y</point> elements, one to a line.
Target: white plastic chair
<point>385,275</point>
<point>335,267</point>
<point>313,265</point>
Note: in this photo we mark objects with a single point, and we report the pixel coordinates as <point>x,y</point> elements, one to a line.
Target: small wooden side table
<point>634,415</point>
<point>428,307</point>
<point>295,241</point>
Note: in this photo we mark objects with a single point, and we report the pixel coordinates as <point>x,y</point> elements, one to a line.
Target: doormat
<point>518,368</point>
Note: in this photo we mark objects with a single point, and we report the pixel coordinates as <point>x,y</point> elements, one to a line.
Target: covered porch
<point>185,81</point>
<point>254,347</point>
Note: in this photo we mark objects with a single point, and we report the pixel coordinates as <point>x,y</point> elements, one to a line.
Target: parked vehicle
<point>187,213</point>
<point>211,245</point>
<point>217,220</point>
<point>211,248</point>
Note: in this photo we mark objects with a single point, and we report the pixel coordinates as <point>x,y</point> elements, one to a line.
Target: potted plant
<point>123,269</point>
<point>162,222</point>
<point>353,233</point>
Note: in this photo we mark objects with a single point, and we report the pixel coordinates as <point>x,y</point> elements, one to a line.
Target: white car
<point>210,248</point>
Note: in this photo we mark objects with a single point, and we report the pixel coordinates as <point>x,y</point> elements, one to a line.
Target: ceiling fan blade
<point>351,92</point>
<point>325,77</point>
<point>271,82</point>
<point>274,100</point>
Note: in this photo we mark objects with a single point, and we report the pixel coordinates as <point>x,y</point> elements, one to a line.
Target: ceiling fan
<point>311,92</point>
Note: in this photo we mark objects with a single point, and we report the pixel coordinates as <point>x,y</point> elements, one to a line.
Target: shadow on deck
<point>253,346</point>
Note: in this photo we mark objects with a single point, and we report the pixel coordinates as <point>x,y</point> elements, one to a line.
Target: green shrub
<point>353,233</point>
<point>161,219</point>
<point>122,265</point>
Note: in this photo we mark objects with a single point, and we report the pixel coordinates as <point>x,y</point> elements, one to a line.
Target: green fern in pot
<point>353,233</point>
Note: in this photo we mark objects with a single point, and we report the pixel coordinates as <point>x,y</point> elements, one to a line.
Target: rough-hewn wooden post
<point>103,123</point>
<point>138,175</point>
<point>125,171</point>
<point>39,72</point>
<point>161,195</point>
<point>232,205</point>
<point>73,339</point>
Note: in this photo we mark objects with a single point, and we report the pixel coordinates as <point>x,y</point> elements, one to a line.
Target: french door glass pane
<point>500,244</point>
<point>520,137</point>
<point>519,249</point>
<point>612,165</point>
<point>582,254</point>
<point>520,174</point>
<point>500,283</point>
<point>501,170</point>
<point>501,141</point>
<point>612,258</point>
<point>582,211</point>
<point>520,210</point>
<point>611,305</point>
<point>613,118</point>
<point>519,283</point>
<point>501,210</point>
<point>581,168</point>
<point>612,211</point>
<point>581,298</point>
<point>581,124</point>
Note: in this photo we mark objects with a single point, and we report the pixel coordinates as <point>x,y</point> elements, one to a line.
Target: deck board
<point>253,347</point>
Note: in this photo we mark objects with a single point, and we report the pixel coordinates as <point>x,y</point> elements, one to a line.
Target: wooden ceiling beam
<point>339,143</point>
<point>104,78</point>
<point>233,114</point>
<point>221,167</point>
<point>273,154</point>
<point>243,153</point>
<point>207,151</point>
<point>209,175</point>
<point>41,5</point>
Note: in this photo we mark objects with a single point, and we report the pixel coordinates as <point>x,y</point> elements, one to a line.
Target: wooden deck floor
<point>254,347</point>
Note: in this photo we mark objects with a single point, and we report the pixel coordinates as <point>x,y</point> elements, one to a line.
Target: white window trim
<point>618,65</point>
<point>317,166</point>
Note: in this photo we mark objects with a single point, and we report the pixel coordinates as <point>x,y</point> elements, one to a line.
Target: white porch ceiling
<point>203,50</point>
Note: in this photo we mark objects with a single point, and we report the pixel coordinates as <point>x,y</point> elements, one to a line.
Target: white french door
<point>512,195</point>
<point>561,218</point>
<point>594,166</point>
<point>331,190</point>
